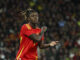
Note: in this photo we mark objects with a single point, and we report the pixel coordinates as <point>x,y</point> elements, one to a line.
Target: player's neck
<point>32,24</point>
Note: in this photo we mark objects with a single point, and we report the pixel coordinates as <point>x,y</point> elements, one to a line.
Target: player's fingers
<point>54,43</point>
<point>57,41</point>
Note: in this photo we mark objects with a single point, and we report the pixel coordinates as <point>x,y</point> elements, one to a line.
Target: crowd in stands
<point>62,17</point>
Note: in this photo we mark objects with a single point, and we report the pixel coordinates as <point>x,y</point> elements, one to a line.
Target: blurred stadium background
<point>62,17</point>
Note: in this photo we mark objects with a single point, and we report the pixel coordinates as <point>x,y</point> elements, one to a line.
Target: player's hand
<point>44,28</point>
<point>53,43</point>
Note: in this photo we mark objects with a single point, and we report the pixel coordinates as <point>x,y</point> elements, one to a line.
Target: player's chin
<point>36,22</point>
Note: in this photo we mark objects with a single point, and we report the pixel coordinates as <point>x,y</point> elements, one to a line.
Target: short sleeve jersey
<point>27,49</point>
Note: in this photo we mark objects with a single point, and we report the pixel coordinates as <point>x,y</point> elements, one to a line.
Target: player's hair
<point>29,11</point>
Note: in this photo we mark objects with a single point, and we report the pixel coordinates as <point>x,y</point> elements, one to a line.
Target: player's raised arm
<point>51,44</point>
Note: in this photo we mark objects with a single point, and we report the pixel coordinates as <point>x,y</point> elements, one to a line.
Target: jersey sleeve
<point>27,31</point>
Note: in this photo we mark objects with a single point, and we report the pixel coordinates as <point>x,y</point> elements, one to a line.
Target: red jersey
<point>28,49</point>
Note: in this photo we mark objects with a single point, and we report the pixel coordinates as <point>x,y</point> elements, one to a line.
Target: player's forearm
<point>51,44</point>
<point>44,46</point>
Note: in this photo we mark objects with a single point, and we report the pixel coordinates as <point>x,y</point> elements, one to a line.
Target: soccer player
<point>31,36</point>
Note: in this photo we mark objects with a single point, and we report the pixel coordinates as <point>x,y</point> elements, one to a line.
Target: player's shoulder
<point>23,26</point>
<point>27,26</point>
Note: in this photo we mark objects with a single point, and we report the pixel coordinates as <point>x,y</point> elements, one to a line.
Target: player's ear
<point>25,17</point>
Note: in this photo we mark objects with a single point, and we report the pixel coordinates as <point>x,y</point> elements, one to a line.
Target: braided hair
<point>26,13</point>
<point>29,11</point>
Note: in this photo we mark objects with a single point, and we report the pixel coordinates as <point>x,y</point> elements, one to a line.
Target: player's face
<point>34,17</point>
